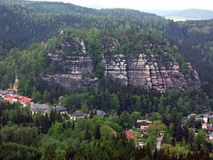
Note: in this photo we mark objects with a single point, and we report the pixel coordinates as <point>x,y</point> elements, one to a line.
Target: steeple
<point>15,85</point>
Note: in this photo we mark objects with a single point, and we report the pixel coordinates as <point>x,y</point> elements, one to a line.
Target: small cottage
<point>77,114</point>
<point>143,124</point>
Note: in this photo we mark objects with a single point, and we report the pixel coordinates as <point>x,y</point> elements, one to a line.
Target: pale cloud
<point>146,4</point>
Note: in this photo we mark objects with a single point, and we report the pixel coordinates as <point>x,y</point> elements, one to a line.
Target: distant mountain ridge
<point>48,7</point>
<point>161,12</point>
<point>192,14</point>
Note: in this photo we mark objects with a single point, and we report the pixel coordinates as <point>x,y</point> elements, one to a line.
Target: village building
<point>12,98</point>
<point>129,135</point>
<point>61,110</point>
<point>43,108</point>
<point>97,112</point>
<point>15,85</point>
<point>143,124</point>
<point>191,115</point>
<point>100,113</point>
<point>206,126</point>
<point>77,114</point>
<point>3,93</point>
<point>202,118</point>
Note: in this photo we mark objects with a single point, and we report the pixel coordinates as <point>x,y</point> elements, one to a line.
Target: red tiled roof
<point>22,99</point>
<point>17,96</point>
<point>26,100</point>
<point>7,95</point>
<point>129,134</point>
<point>9,99</point>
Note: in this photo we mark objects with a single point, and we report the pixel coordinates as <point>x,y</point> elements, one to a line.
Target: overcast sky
<point>145,4</point>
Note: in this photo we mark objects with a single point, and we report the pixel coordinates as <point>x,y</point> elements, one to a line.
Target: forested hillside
<point>54,136</point>
<point>67,8</point>
<point>42,40</point>
<point>37,28</point>
<point>22,26</point>
<point>37,25</point>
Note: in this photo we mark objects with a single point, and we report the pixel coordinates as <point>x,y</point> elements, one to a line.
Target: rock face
<point>79,72</point>
<point>143,71</point>
<point>116,68</point>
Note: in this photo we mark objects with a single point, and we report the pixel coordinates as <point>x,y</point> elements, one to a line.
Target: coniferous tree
<point>69,124</point>
<point>97,132</point>
<point>4,119</point>
<point>53,115</point>
<point>59,117</point>
<point>87,134</point>
<point>45,124</point>
<point>73,125</point>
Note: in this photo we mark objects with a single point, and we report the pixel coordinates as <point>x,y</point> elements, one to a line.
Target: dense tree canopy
<point>30,30</point>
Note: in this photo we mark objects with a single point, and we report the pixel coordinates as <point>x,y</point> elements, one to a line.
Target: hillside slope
<point>141,59</point>
<point>22,26</point>
<point>31,22</point>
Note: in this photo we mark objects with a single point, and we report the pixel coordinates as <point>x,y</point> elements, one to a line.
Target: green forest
<point>29,31</point>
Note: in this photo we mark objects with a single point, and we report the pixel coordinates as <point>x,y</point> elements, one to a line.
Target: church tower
<point>15,85</point>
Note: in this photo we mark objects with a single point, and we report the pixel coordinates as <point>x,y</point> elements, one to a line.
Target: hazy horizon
<point>142,4</point>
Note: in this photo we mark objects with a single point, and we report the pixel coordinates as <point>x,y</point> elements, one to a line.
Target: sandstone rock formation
<point>79,72</point>
<point>143,71</point>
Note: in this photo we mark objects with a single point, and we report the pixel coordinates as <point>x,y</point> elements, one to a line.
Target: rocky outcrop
<point>116,68</point>
<point>145,71</point>
<point>79,72</point>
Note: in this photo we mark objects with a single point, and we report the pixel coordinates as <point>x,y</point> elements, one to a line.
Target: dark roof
<point>42,107</point>
<point>60,109</point>
<point>4,92</point>
<point>78,113</point>
<point>98,112</point>
<point>205,116</point>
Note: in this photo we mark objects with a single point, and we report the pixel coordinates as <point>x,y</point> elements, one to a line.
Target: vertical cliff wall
<point>146,72</point>
<point>151,71</point>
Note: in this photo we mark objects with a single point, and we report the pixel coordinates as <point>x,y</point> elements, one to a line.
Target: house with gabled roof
<point>36,107</point>
<point>77,114</point>
<point>143,124</point>
<point>129,135</point>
